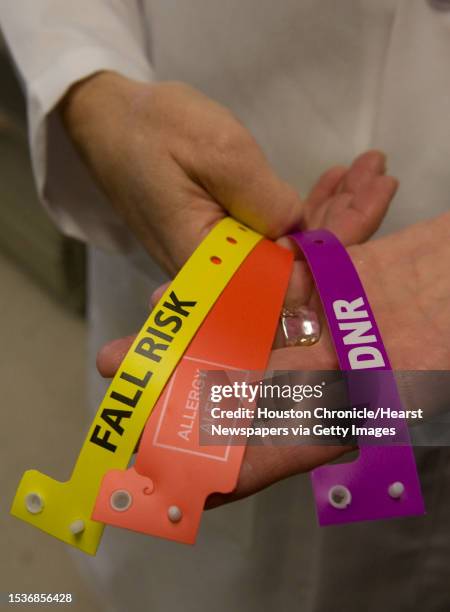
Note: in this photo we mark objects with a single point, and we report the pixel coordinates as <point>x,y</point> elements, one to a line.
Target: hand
<point>406,279</point>
<point>349,202</point>
<point>173,163</point>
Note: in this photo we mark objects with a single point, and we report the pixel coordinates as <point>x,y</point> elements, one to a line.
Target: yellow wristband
<point>63,509</point>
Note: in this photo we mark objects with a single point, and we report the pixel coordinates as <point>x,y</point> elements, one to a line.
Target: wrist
<point>90,103</point>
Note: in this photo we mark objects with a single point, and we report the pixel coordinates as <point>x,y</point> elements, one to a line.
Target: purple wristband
<point>382,482</point>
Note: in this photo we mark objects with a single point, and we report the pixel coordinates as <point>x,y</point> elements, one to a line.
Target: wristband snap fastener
<point>34,503</point>
<point>396,490</point>
<point>77,527</point>
<point>121,500</point>
<point>339,497</point>
<point>174,514</point>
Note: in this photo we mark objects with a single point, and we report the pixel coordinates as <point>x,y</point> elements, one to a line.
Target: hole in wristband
<point>231,240</point>
<point>34,503</point>
<point>241,227</point>
<point>121,500</point>
<point>318,241</point>
<point>339,497</point>
<point>216,260</point>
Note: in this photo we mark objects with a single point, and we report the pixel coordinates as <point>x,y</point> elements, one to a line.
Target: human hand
<point>406,279</point>
<point>405,276</point>
<point>173,163</point>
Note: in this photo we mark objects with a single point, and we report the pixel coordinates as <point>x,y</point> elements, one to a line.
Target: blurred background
<point>42,374</point>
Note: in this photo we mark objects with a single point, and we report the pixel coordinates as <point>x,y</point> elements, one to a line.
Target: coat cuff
<point>64,184</point>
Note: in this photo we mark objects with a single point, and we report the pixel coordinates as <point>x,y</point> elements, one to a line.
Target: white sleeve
<point>54,44</point>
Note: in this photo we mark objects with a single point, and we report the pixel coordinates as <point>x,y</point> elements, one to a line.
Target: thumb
<point>238,176</point>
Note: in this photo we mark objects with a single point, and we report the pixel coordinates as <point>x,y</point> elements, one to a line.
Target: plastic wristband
<point>164,492</point>
<point>383,481</point>
<point>63,509</point>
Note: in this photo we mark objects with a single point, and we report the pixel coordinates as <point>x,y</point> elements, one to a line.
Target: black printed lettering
<point>103,442</point>
<point>161,320</point>
<point>159,334</point>
<point>147,347</point>
<point>178,306</point>
<point>134,380</point>
<point>123,399</point>
<point>113,418</point>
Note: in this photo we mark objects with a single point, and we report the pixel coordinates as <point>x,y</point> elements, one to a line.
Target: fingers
<point>356,218</point>
<point>264,465</point>
<point>363,169</point>
<point>352,203</point>
<point>349,202</point>
<point>315,357</point>
<point>326,186</point>
<point>158,293</point>
<point>353,217</point>
<point>111,355</point>
<point>323,196</point>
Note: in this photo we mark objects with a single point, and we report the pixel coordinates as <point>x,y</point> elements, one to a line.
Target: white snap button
<point>396,490</point>
<point>339,497</point>
<point>77,527</point>
<point>121,500</point>
<point>34,503</point>
<point>175,514</point>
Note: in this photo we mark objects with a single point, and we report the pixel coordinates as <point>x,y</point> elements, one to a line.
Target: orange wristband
<point>164,492</point>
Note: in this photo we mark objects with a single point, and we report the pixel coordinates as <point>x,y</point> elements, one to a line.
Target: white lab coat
<point>316,83</point>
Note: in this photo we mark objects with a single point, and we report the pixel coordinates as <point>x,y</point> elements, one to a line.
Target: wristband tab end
<point>58,508</point>
<point>382,483</point>
<point>167,509</point>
